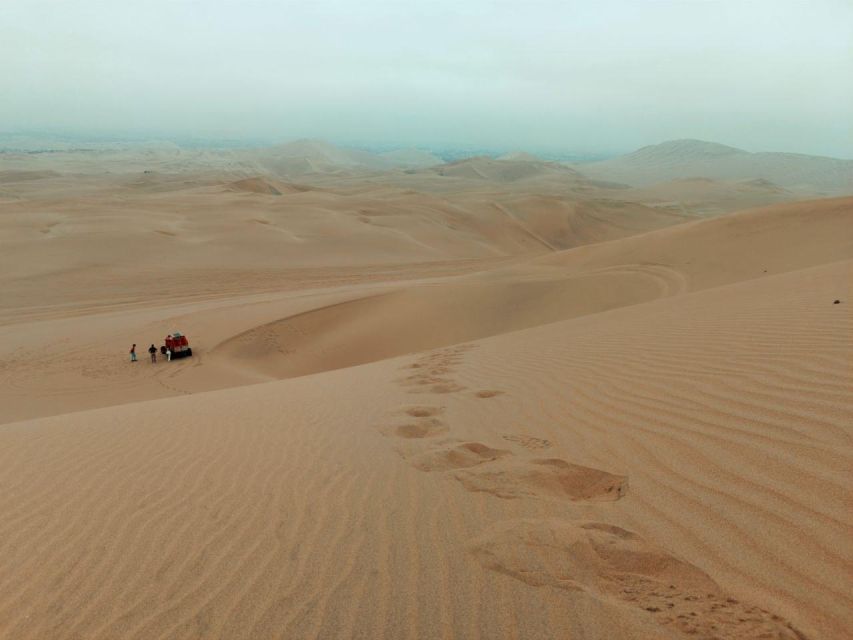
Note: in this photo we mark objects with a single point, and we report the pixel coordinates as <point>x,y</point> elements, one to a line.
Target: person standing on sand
<point>133,353</point>
<point>168,354</point>
<point>153,351</point>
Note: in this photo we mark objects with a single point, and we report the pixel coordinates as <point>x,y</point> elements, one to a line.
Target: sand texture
<point>454,401</point>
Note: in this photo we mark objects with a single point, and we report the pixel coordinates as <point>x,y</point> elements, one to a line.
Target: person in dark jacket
<point>153,351</point>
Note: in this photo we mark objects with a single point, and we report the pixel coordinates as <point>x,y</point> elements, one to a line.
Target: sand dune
<point>562,223</point>
<point>732,248</point>
<point>269,511</point>
<point>561,285</point>
<point>156,227</point>
<point>418,318</point>
<point>707,197</point>
<point>492,406</point>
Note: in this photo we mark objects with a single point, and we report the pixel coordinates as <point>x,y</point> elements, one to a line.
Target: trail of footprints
<point>600,559</point>
<point>432,372</point>
<point>480,467</point>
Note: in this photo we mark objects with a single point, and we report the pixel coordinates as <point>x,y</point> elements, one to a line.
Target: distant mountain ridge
<point>679,159</point>
<point>319,156</point>
<point>503,170</point>
<point>687,147</point>
<point>801,175</point>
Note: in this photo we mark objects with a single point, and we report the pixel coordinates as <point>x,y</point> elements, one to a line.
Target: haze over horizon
<point>551,76</point>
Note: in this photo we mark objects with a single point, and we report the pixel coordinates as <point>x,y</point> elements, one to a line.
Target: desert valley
<point>499,397</point>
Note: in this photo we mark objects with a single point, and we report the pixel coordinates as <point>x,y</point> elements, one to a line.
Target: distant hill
<point>314,156</point>
<point>679,159</point>
<point>319,156</point>
<point>509,170</point>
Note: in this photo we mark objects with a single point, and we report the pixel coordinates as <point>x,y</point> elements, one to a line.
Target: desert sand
<point>485,399</point>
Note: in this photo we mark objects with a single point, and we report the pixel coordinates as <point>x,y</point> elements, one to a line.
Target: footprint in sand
<point>614,564</point>
<point>436,384</point>
<point>420,380</point>
<point>488,393</point>
<point>421,429</point>
<point>545,478</point>
<point>446,387</point>
<point>528,442</point>
<point>456,456</point>
<point>426,424</point>
<point>433,370</point>
<point>423,411</point>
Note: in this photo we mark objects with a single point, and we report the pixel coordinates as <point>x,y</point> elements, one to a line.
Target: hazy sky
<point>584,75</point>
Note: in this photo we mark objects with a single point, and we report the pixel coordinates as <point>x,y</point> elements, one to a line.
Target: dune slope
<point>561,285</point>
<point>703,438</point>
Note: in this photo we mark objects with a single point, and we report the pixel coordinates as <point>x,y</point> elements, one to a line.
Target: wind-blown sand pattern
<point>607,561</point>
<point>646,437</point>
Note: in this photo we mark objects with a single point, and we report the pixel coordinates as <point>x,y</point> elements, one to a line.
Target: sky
<point>590,76</point>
